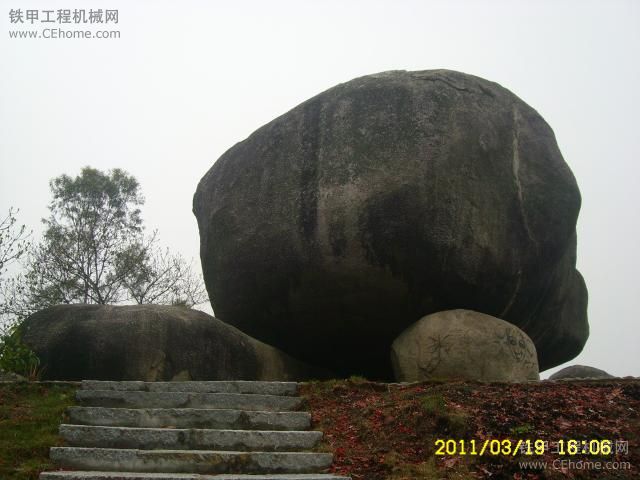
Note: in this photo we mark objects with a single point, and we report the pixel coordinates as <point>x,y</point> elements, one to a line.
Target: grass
<point>409,471</point>
<point>434,404</point>
<point>522,429</point>
<point>450,421</point>
<point>29,418</point>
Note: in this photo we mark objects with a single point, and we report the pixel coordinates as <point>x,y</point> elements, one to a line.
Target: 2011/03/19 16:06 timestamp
<point>508,447</point>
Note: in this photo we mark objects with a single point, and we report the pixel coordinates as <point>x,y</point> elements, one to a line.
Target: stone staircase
<point>189,431</point>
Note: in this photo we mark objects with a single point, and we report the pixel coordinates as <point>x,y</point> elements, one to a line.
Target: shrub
<point>15,356</point>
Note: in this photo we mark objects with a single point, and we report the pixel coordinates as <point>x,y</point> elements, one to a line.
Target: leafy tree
<point>92,241</point>
<point>94,250</point>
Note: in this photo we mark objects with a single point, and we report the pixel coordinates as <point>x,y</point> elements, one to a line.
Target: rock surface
<point>386,198</point>
<point>152,343</point>
<point>464,345</point>
<point>580,371</point>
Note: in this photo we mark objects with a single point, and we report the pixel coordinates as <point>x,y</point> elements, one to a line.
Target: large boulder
<point>152,343</point>
<point>579,371</point>
<point>334,227</point>
<point>464,345</point>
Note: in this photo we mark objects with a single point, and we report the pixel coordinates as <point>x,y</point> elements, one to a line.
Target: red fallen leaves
<point>380,431</point>
<point>451,462</point>
<point>562,424</point>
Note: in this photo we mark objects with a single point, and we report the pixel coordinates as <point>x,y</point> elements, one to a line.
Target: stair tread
<point>138,451</point>
<point>188,438</point>
<point>189,417</point>
<point>94,475</point>
<point>242,401</point>
<point>212,386</point>
<point>190,461</point>
<point>199,430</point>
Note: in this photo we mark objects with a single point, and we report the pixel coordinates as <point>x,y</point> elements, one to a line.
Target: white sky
<point>188,79</point>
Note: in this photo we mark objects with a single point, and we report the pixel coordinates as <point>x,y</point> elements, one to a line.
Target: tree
<point>14,241</point>
<point>92,241</point>
<point>165,278</point>
<point>94,251</point>
<point>14,245</point>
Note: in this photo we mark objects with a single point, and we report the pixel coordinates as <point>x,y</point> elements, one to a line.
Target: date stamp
<point>530,447</point>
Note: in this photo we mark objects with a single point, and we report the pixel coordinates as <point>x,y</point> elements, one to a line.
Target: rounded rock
<point>464,345</point>
<point>579,371</point>
<point>151,343</point>
<point>334,227</point>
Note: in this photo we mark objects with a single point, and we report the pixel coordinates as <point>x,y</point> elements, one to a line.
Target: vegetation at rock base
<point>15,356</point>
<point>388,431</point>
<point>30,414</point>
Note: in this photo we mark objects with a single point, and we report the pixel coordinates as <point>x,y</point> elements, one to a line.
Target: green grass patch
<point>434,404</point>
<point>522,429</point>
<point>29,418</point>
<point>411,471</point>
<point>450,421</point>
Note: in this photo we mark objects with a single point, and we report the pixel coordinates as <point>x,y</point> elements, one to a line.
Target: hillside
<point>386,431</point>
<point>389,431</point>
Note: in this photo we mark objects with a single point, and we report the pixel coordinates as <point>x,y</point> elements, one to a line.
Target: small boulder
<point>151,343</point>
<point>464,345</point>
<point>579,371</point>
<point>11,377</point>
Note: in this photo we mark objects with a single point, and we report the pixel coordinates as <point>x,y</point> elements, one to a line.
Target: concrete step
<point>236,401</point>
<point>190,461</point>
<point>263,388</point>
<point>189,418</point>
<point>181,476</point>
<point>188,439</point>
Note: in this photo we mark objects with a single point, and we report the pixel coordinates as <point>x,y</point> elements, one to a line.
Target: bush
<point>15,356</point>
